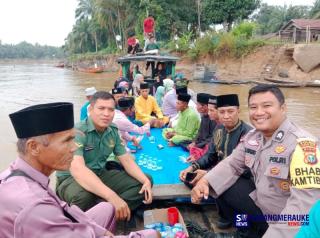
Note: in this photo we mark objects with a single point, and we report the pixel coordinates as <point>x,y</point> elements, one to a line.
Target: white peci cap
<point>90,91</point>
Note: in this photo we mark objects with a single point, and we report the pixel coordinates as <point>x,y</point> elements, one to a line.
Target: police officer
<point>28,207</point>
<point>283,160</point>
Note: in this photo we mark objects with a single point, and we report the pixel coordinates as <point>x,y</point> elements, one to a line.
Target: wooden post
<point>307,34</point>
<point>294,35</point>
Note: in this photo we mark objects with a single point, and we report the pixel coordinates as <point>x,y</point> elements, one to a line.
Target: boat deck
<point>168,191</point>
<point>203,215</point>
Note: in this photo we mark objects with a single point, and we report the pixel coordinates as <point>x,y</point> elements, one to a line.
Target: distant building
<point>301,31</point>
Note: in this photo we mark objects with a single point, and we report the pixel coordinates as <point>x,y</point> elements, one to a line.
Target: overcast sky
<point>49,21</point>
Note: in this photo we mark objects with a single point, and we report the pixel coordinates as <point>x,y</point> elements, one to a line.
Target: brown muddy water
<point>24,84</point>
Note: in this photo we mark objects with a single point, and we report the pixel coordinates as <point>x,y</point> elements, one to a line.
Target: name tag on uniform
<point>88,147</point>
<point>278,159</point>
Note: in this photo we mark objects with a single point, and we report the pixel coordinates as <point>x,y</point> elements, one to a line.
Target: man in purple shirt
<point>125,126</point>
<point>28,207</point>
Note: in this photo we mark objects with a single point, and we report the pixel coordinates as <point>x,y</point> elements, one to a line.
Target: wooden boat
<point>281,85</point>
<point>315,83</point>
<point>273,80</point>
<point>98,69</point>
<point>60,65</point>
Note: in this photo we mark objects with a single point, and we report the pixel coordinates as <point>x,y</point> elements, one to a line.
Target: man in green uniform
<point>88,180</point>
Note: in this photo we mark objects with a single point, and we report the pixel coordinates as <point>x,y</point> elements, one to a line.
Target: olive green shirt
<point>95,147</point>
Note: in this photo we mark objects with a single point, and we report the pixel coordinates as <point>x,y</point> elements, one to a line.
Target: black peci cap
<point>212,100</point>
<point>203,98</point>
<point>126,102</point>
<point>184,97</point>
<point>144,86</point>
<point>227,100</point>
<point>43,119</point>
<point>181,89</point>
<point>117,90</point>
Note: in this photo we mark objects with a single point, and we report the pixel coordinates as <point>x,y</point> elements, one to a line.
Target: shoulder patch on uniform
<point>305,166</point>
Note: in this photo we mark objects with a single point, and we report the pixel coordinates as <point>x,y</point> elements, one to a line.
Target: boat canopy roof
<point>146,57</point>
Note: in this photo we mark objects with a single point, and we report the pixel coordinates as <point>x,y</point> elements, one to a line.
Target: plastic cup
<point>173,215</point>
<point>152,139</point>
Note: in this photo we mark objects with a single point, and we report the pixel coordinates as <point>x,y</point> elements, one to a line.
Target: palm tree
<point>315,10</point>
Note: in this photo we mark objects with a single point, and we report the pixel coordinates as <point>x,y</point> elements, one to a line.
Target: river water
<point>27,83</point>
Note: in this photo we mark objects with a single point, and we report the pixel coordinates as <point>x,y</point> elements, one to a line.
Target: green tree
<point>296,12</point>
<point>315,10</point>
<point>228,11</point>
<point>272,18</point>
<point>107,18</point>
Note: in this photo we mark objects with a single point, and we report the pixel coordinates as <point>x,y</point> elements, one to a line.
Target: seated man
<point>118,93</point>
<point>169,103</point>
<point>170,99</point>
<point>125,126</point>
<point>152,46</point>
<point>282,158</point>
<point>187,125</point>
<point>200,144</point>
<point>84,109</point>
<point>28,207</point>
<point>89,178</point>
<point>133,44</point>
<point>225,139</point>
<point>146,105</point>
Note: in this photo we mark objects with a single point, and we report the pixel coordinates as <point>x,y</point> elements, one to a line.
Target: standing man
<point>200,144</point>
<point>148,26</point>
<point>147,109</point>
<point>187,126</point>
<point>282,158</point>
<point>84,109</point>
<point>88,180</point>
<point>28,207</point>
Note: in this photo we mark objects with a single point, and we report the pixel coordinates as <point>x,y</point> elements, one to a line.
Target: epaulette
<point>301,133</point>
<point>82,126</point>
<point>113,125</point>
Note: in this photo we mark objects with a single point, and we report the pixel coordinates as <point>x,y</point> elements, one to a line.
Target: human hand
<point>184,172</point>
<point>170,134</point>
<point>122,210</point>
<point>191,145</point>
<point>147,190</point>
<point>191,158</point>
<point>171,144</point>
<point>201,190</point>
<point>153,122</point>
<point>108,234</point>
<point>135,141</point>
<point>200,173</point>
<point>161,123</point>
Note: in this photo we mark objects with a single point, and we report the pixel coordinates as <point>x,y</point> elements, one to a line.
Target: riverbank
<point>265,61</point>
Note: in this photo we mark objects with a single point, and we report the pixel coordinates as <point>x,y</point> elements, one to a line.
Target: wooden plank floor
<point>203,215</point>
